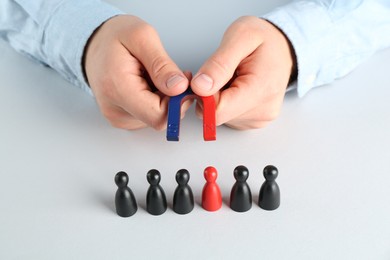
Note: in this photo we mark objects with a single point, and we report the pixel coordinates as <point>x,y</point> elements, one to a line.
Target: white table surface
<point>58,158</point>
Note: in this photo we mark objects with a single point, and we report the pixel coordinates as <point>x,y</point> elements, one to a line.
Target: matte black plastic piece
<point>241,195</point>
<point>183,198</point>
<point>125,202</point>
<point>269,196</point>
<point>156,202</point>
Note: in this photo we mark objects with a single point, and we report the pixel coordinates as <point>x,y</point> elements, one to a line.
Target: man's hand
<point>124,61</point>
<point>258,60</point>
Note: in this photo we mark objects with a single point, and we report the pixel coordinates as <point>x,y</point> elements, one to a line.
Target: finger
<point>188,102</point>
<point>146,106</point>
<point>185,106</point>
<point>129,124</point>
<point>199,109</point>
<point>258,83</point>
<point>258,117</point>
<point>126,121</point>
<point>240,97</point>
<point>245,125</point>
<point>239,41</point>
<point>144,43</point>
<point>188,74</point>
<point>119,118</point>
<point>263,107</point>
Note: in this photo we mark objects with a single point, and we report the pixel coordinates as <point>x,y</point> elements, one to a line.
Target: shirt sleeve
<point>332,37</point>
<point>54,32</point>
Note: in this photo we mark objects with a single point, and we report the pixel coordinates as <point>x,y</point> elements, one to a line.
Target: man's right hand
<point>123,60</point>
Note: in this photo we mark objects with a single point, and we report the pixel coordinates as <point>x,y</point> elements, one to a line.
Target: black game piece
<point>269,196</point>
<point>125,202</point>
<point>183,198</point>
<point>241,195</point>
<point>156,202</point>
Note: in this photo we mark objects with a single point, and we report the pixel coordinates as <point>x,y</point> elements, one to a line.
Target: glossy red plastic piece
<point>211,194</point>
<point>209,127</point>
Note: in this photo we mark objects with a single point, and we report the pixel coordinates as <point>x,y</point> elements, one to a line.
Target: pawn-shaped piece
<point>241,195</point>
<point>211,194</point>
<point>183,198</point>
<point>125,202</point>
<point>156,202</point>
<point>269,196</point>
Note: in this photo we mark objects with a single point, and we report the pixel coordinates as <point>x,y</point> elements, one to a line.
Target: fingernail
<point>174,80</point>
<point>203,81</point>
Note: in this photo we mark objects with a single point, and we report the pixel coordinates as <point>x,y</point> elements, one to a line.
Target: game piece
<point>183,198</point>
<point>241,196</point>
<point>269,196</point>
<point>125,202</point>
<point>174,113</point>
<point>211,194</point>
<point>156,202</point>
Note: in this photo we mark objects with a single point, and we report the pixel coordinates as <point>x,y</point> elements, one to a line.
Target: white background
<point>58,158</point>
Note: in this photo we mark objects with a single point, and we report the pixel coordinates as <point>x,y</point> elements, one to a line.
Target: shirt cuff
<point>67,32</point>
<point>304,23</point>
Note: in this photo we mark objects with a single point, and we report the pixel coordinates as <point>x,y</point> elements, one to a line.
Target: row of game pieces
<point>183,199</point>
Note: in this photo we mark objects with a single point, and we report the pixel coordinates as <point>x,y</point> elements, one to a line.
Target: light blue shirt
<point>330,37</point>
<point>54,32</point>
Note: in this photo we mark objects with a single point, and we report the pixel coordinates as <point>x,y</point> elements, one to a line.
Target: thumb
<point>238,42</point>
<point>146,46</point>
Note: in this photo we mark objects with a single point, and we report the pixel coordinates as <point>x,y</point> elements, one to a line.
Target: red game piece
<point>211,194</point>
